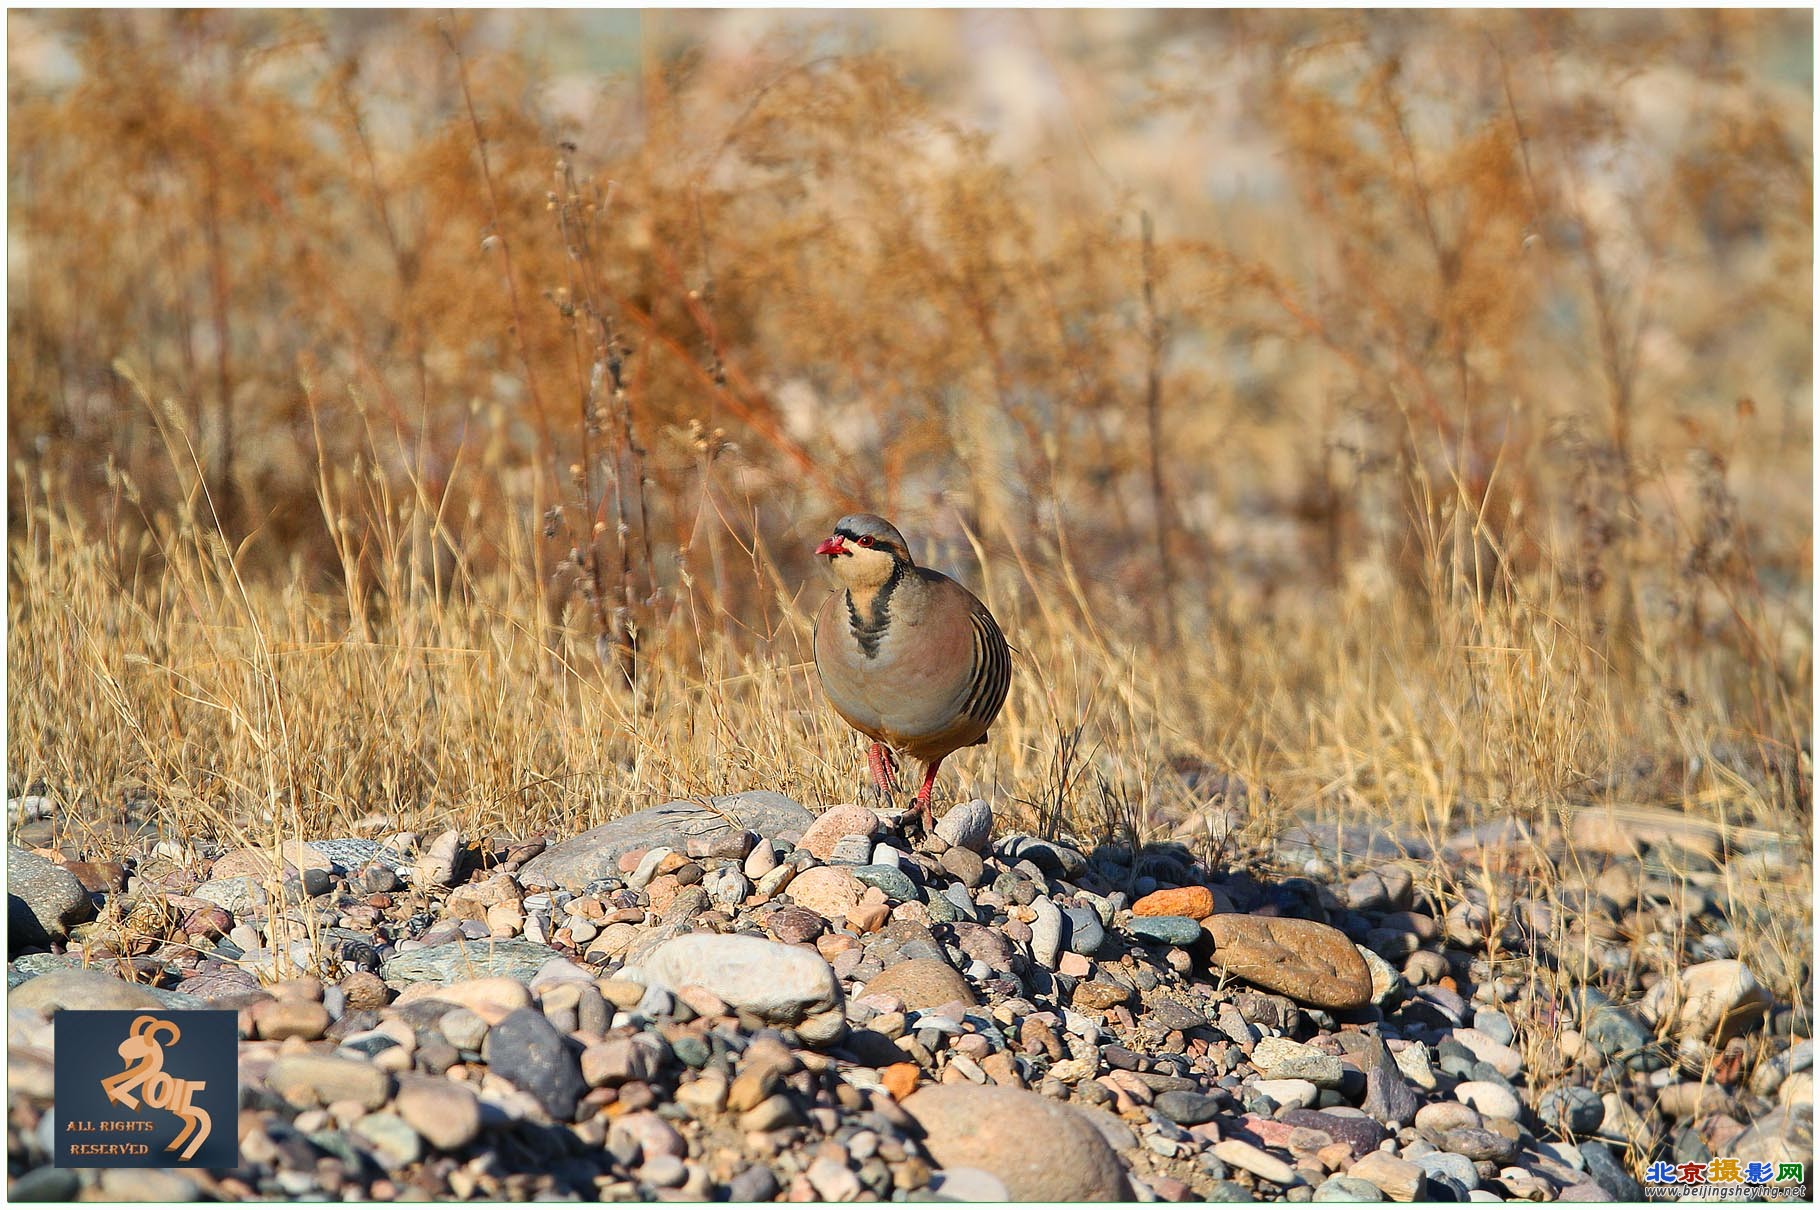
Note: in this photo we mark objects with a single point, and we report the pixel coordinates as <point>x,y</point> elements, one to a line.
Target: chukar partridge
<point>906,655</point>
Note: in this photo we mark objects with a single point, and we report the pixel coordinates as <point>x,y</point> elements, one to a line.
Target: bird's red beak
<point>832,546</point>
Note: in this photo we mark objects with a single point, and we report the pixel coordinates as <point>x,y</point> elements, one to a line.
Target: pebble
<point>1192,902</point>
<point>1491,1100</point>
<point>1188,1108</point>
<point>1708,1003</point>
<point>922,983</point>
<point>1039,1149</point>
<point>43,900</point>
<point>1086,934</point>
<point>1436,1119</point>
<point>1617,1033</point>
<point>445,1113</point>
<point>766,1080</point>
<point>781,983</point>
<point>1256,1161</point>
<point>146,1185</point>
<point>826,891</point>
<point>961,1183</point>
<point>1456,1170</point>
<point>56,990</point>
<point>968,826</point>
<point>1506,1061</point>
<point>1170,930</point>
<point>1347,1189</point>
<point>1046,932</point>
<point>1308,962</point>
<point>594,854</point>
<point>1289,1094</point>
<point>528,1050</point>
<point>896,884</point>
<point>835,824</point>
<point>1282,1059</point>
<point>1398,1180</point>
<point>314,1079</point>
<point>391,1139</point>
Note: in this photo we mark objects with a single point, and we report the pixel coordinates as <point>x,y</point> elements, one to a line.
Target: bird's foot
<point>884,770</point>
<point>916,825</point>
<point>920,818</point>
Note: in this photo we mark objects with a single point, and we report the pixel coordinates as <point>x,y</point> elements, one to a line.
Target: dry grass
<point>408,420</point>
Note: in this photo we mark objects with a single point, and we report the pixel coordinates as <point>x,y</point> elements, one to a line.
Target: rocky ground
<point>741,999</point>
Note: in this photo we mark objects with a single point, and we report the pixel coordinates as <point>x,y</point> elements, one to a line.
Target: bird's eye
<point>866,540</point>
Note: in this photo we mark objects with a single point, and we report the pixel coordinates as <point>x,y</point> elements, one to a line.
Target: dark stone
<point>1169,930</point>
<point>356,1021</point>
<point>1268,1010</point>
<point>1187,1108</point>
<point>1173,1014</point>
<point>1388,1096</point>
<point>692,1051</point>
<point>755,1184</point>
<point>527,1050</point>
<point>46,1184</point>
<point>1608,1173</point>
<point>1477,1144</point>
<point>1086,935</point>
<point>896,884</point>
<point>795,925</point>
<point>1361,1134</point>
<point>1571,1110</point>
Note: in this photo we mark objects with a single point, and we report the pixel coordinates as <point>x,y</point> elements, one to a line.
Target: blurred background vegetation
<point>429,413</point>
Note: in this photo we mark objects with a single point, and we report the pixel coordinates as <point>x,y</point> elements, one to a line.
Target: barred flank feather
<point>991,669</point>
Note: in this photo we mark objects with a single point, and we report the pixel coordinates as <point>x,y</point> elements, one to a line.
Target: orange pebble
<point>1194,902</point>
<point>899,1079</point>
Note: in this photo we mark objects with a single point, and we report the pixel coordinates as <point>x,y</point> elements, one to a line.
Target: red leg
<point>924,797</point>
<point>884,768</point>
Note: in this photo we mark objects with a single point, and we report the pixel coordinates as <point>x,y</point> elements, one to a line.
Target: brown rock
<point>1042,1151</point>
<point>834,823</point>
<point>1194,902</point>
<point>868,917</point>
<point>267,863</point>
<point>445,1113</point>
<point>826,891</point>
<point>203,919</point>
<point>98,875</point>
<point>1399,1180</point>
<point>364,989</point>
<point>795,925</point>
<point>277,1020</point>
<point>922,983</point>
<point>1099,995</point>
<point>491,998</point>
<point>1312,963</point>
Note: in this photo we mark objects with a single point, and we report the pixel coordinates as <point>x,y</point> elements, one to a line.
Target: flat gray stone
<point>42,900</point>
<point>781,983</point>
<point>1170,930</point>
<point>517,957</point>
<point>574,863</point>
<point>79,989</point>
<point>1347,1189</point>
